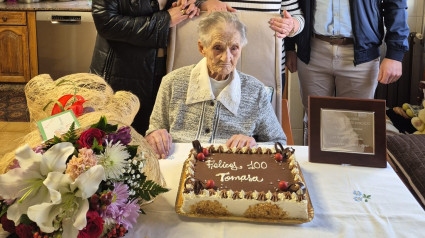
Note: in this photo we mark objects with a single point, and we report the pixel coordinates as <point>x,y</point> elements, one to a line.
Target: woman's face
<point>224,51</point>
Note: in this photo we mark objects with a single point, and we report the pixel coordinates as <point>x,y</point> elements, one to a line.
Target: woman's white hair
<point>218,19</point>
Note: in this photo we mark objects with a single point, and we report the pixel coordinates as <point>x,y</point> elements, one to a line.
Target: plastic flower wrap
<point>87,185</point>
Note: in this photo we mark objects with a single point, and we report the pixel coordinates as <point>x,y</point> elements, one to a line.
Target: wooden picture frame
<point>347,131</point>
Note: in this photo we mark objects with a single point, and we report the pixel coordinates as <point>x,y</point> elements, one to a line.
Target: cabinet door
<point>14,45</point>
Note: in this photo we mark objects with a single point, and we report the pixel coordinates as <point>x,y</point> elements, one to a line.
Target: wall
<point>416,22</point>
<point>415,17</point>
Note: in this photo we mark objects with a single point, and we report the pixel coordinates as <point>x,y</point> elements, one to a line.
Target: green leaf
<point>26,220</point>
<point>149,189</point>
<point>96,147</point>
<point>71,135</point>
<point>3,210</point>
<point>132,150</point>
<point>104,126</point>
<point>101,123</point>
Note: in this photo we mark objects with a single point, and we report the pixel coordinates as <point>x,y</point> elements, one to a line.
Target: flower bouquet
<point>87,185</point>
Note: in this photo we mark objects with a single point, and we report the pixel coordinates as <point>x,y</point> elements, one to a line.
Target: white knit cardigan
<point>208,119</point>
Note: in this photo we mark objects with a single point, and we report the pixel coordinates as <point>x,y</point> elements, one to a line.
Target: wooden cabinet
<point>18,47</point>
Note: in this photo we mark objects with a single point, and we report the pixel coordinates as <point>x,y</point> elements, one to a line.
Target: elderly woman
<point>211,101</point>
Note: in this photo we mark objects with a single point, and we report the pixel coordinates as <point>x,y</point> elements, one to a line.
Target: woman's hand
<point>186,8</point>
<point>284,26</point>
<point>240,141</point>
<point>160,141</point>
<point>184,3</point>
<point>177,15</point>
<point>216,6</point>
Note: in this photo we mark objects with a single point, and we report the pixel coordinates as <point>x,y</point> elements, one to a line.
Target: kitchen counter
<point>81,5</point>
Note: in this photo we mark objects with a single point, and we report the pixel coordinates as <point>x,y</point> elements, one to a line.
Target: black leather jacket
<point>129,35</point>
<point>367,18</point>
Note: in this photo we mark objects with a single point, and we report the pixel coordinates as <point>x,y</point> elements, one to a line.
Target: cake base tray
<point>179,203</point>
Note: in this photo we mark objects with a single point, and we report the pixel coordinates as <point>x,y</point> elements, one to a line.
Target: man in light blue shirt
<point>339,48</point>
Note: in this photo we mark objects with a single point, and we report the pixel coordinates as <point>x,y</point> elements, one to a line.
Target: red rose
<point>87,137</point>
<point>7,224</point>
<point>25,231</point>
<point>94,226</point>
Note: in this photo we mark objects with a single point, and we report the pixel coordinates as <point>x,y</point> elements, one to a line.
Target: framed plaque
<point>347,131</point>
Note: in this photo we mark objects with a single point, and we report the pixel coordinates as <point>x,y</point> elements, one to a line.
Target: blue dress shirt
<point>332,18</point>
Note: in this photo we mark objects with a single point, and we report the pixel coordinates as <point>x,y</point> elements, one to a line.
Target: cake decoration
<point>283,185</point>
<point>210,184</point>
<point>197,146</point>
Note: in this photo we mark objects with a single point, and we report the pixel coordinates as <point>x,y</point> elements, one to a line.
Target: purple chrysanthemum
<point>120,193</point>
<point>128,214</point>
<point>121,211</point>
<point>122,135</point>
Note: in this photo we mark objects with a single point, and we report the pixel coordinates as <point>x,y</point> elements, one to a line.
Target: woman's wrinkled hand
<point>240,141</point>
<point>284,26</point>
<point>216,6</point>
<point>160,141</point>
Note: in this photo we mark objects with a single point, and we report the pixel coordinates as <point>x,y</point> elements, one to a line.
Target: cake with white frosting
<point>261,184</point>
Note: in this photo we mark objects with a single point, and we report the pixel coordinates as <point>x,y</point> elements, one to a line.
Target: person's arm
<point>397,32</point>
<point>158,133</point>
<point>147,31</point>
<point>268,127</point>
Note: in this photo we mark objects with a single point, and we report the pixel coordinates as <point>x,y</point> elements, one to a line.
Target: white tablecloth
<point>389,211</point>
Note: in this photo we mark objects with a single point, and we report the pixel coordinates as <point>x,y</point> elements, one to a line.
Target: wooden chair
<point>286,123</point>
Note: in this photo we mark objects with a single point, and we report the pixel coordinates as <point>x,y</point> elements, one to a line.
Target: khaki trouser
<point>331,72</point>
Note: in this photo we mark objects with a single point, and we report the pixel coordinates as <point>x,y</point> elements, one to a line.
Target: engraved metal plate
<point>347,131</point>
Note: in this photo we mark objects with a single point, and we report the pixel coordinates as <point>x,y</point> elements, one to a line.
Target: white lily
<point>26,183</point>
<point>69,201</point>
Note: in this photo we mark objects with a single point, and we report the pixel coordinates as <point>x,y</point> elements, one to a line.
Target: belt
<point>335,40</point>
<point>161,53</point>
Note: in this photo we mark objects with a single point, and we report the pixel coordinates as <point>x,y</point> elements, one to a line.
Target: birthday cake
<point>252,184</point>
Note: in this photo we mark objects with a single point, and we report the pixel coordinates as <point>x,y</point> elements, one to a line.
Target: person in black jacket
<point>131,44</point>
<point>339,48</point>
